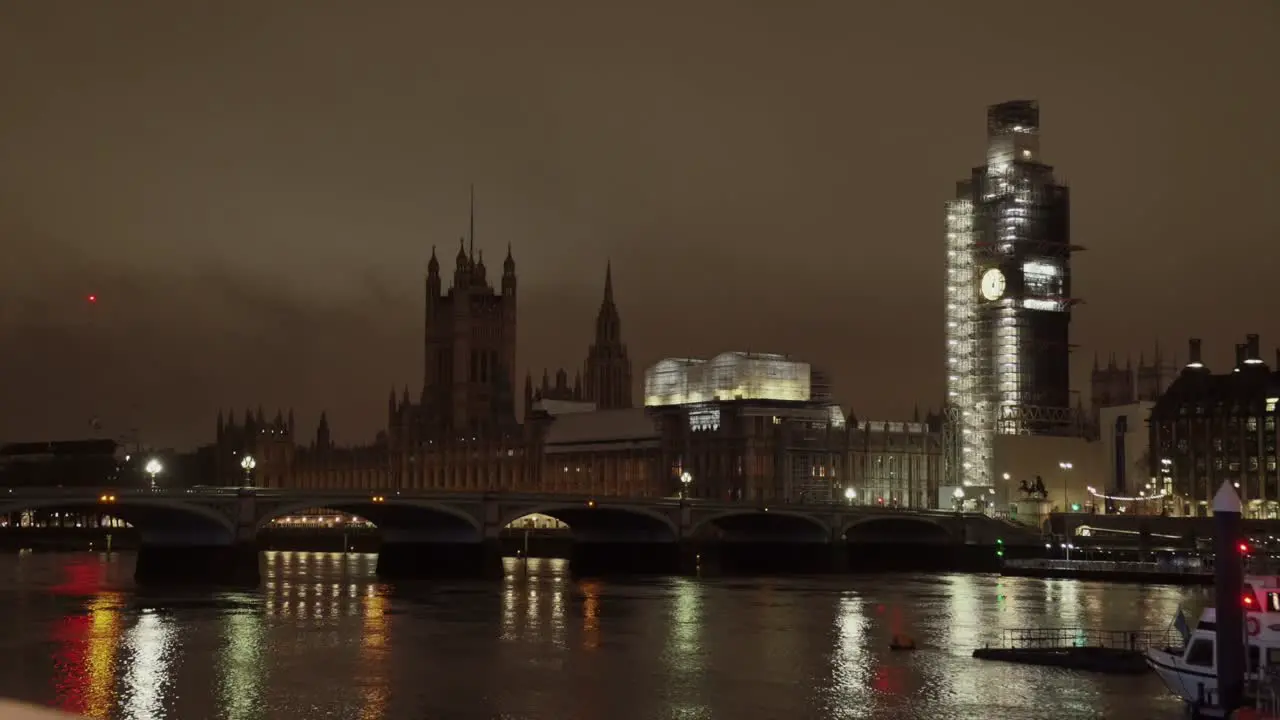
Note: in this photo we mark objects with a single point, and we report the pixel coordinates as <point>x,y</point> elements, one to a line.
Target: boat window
<point>1200,653</point>
<point>1273,656</point>
<point>1252,664</point>
<point>1273,602</point>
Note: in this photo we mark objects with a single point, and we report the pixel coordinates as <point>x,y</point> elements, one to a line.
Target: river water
<point>322,639</point>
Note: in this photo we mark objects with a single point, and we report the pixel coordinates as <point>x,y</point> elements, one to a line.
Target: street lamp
<point>850,494</point>
<point>153,468</point>
<point>958,494</point>
<point>1064,466</point>
<point>685,480</point>
<point>248,464</point>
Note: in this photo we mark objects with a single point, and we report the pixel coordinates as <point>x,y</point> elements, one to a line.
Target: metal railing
<point>1063,638</point>
<point>1108,566</point>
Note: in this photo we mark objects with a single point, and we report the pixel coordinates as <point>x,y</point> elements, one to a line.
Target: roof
<point>601,426</point>
<point>60,447</point>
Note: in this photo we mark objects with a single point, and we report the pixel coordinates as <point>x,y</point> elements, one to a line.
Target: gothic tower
<point>608,370</point>
<point>469,342</point>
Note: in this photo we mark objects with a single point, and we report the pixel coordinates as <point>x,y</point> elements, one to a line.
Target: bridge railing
<point>1106,566</point>
<point>533,498</point>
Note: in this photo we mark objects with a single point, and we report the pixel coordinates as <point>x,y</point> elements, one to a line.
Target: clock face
<point>992,284</point>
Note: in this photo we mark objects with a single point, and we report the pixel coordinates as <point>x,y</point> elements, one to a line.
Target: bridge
<point>210,534</point>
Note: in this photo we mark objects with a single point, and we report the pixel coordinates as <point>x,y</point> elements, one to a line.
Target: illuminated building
<point>1008,302</point>
<point>895,463</point>
<point>1209,428</point>
<point>762,427</point>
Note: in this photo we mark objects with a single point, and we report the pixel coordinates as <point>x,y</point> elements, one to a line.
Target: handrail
<point>1107,566</point>
<point>1062,638</point>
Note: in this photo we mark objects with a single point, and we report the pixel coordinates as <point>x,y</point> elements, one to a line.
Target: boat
<point>1190,671</point>
<point>902,642</point>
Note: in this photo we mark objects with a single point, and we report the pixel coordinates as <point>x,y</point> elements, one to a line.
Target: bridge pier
<point>415,560</point>
<point>235,564</point>
<point>596,559</point>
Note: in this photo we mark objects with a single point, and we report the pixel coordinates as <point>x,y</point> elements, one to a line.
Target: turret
<point>462,267</point>
<point>323,439</point>
<point>509,274</point>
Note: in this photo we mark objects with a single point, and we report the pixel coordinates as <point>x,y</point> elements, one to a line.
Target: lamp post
<point>685,480</point>
<point>958,494</point>
<point>1065,467</point>
<point>248,464</point>
<point>153,468</point>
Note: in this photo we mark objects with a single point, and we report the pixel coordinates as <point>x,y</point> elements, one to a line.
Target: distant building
<point>896,463</point>
<point>1207,429</point>
<point>607,368</point>
<point>600,452</point>
<point>1112,385</point>
<point>64,463</point>
<point>751,427</point>
<point>1126,449</point>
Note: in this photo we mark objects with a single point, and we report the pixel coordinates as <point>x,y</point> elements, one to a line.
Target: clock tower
<point>1008,306</point>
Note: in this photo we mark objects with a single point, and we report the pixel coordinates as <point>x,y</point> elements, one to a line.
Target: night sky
<point>252,189</point>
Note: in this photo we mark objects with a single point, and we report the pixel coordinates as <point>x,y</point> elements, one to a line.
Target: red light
<point>1248,601</point>
<point>92,298</point>
<point>1244,548</point>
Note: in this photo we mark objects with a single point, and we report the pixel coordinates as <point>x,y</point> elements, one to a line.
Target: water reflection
<point>242,665</point>
<point>104,641</point>
<point>590,613</point>
<point>150,646</point>
<point>86,659</point>
<point>324,638</point>
<point>849,666</point>
<point>374,653</point>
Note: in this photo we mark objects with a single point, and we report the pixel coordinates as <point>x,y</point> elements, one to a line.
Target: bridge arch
<point>754,524</point>
<point>158,521</point>
<point>896,529</point>
<point>601,522</point>
<point>397,519</point>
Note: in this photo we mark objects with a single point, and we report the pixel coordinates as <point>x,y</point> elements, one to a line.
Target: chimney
<point>1240,353</point>
<point>1194,354</point>
<point>1252,351</point>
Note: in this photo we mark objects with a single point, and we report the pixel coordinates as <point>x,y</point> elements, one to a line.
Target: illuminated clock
<point>992,284</point>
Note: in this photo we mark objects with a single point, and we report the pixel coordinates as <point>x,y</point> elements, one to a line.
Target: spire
<point>1095,361</point>
<point>915,414</point>
<point>608,282</point>
<point>472,254</point>
<point>433,265</point>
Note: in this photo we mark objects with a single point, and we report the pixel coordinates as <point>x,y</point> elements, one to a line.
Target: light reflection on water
<point>324,638</point>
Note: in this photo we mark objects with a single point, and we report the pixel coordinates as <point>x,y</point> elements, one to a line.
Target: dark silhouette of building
<point>606,382</point>
<point>1209,428</point>
<point>65,463</point>
<point>1112,385</point>
<point>608,369</point>
<point>469,351</point>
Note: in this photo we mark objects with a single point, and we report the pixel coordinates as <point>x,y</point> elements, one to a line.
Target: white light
<point>1040,269</point>
<point>685,477</point>
<point>248,463</point>
<point>850,493</point>
<point>154,467</point>
<point>958,493</point>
